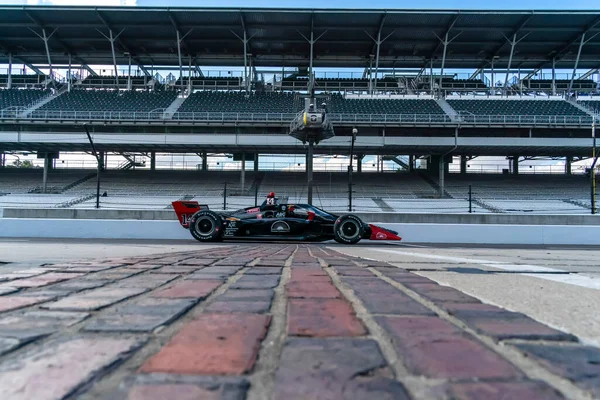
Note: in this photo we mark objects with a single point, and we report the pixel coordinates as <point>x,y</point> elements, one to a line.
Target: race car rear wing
<point>185,209</point>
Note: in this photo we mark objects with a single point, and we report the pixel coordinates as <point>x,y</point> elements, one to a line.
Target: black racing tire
<point>348,229</point>
<point>206,226</point>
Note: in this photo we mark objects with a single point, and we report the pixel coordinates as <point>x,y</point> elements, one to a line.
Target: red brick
<point>59,368</point>
<point>502,324</point>
<point>8,303</point>
<point>180,391</point>
<point>94,299</point>
<point>323,318</point>
<point>437,293</point>
<point>340,368</point>
<point>580,364</point>
<point>311,289</point>
<point>353,271</point>
<point>247,307</point>
<point>503,391</point>
<point>434,348</point>
<point>43,280</point>
<point>309,274</point>
<point>225,344</point>
<point>198,289</point>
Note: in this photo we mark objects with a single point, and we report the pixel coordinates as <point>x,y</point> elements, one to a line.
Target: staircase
<point>444,105</point>
<point>43,101</point>
<point>58,189</point>
<point>581,107</point>
<point>398,161</point>
<point>435,185</point>
<point>130,162</point>
<point>173,107</point>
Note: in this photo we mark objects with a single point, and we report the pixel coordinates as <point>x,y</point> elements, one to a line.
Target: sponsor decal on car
<point>253,210</point>
<point>381,236</point>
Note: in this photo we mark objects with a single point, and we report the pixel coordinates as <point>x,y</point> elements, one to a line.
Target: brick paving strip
<point>275,321</point>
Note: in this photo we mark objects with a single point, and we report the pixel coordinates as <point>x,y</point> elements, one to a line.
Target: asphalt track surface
<point>546,322</point>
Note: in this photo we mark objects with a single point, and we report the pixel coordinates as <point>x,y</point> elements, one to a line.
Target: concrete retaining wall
<point>411,232</point>
<point>169,215</point>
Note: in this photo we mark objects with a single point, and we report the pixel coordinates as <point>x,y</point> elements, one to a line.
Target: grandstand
<point>411,95</point>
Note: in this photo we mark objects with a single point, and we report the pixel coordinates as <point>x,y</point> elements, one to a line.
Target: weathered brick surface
<point>247,295</point>
<point>322,289</point>
<point>192,289</point>
<point>94,299</point>
<point>114,274</point>
<point>161,387</point>
<point>434,348</point>
<point>59,368</point>
<point>175,269</point>
<point>142,315</point>
<point>213,272</point>
<point>13,302</point>
<point>379,297</point>
<point>526,390</point>
<point>145,281</point>
<point>580,364</point>
<point>44,279</point>
<point>8,344</point>
<point>7,290</point>
<point>199,262</point>
<point>256,282</point>
<point>248,307</point>
<point>437,293</point>
<point>263,271</point>
<point>403,276</point>
<point>334,369</point>
<point>353,271</point>
<point>212,344</point>
<point>323,318</point>
<point>501,324</point>
<point>34,324</point>
<point>75,285</point>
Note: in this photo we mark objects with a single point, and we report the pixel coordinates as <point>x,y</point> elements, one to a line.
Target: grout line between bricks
<point>262,377</point>
<point>413,383</point>
<point>530,368</point>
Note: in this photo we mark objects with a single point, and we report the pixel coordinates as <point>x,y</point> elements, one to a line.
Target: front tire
<point>348,229</point>
<point>206,226</point>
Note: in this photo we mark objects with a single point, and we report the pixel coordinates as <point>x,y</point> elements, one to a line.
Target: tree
<point>23,164</point>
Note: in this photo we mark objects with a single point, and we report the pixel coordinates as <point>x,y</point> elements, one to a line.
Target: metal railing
<point>285,118</point>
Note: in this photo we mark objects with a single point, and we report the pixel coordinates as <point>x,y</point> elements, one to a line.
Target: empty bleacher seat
<point>111,100</point>
<point>20,97</point>
<point>516,107</point>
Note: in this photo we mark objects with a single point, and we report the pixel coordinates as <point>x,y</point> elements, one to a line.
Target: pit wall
<point>414,228</point>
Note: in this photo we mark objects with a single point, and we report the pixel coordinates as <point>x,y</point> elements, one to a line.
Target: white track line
<point>570,279</point>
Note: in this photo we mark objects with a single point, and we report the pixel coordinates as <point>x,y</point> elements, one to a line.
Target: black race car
<point>272,221</point>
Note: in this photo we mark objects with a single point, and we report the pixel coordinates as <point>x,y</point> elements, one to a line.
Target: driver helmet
<point>271,195</point>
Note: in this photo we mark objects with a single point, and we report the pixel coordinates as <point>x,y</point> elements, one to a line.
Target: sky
<point>435,4</point>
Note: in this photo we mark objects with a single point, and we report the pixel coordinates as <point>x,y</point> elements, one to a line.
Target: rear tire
<point>348,229</point>
<point>206,226</point>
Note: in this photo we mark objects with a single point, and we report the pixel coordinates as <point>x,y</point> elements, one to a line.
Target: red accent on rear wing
<point>185,209</point>
<point>379,233</point>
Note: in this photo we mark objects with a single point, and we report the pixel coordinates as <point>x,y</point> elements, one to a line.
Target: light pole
<point>354,132</point>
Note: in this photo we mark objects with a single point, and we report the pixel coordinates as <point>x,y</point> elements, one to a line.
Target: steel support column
<point>378,42</point>
<point>204,161</point>
<point>9,80</point>
<point>69,77</point>
<point>45,39</point>
<point>152,161</point>
<point>309,171</point>
<point>411,163</point>
<point>243,172</point>
<point>568,162</point>
<point>554,76</point>
<point>513,43</point>
<point>492,72</point>
<point>581,43</point>
<point>179,56</point>
<point>463,165</point>
<point>112,39</point>
<point>45,176</point>
<point>515,165</point>
<point>443,60</point>
<point>255,162</point>
<point>129,83</point>
<point>441,175</point>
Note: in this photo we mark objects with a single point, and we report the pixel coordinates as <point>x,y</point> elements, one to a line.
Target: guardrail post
<point>225,197</point>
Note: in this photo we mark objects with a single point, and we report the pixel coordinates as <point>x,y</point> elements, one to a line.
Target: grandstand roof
<point>277,36</point>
